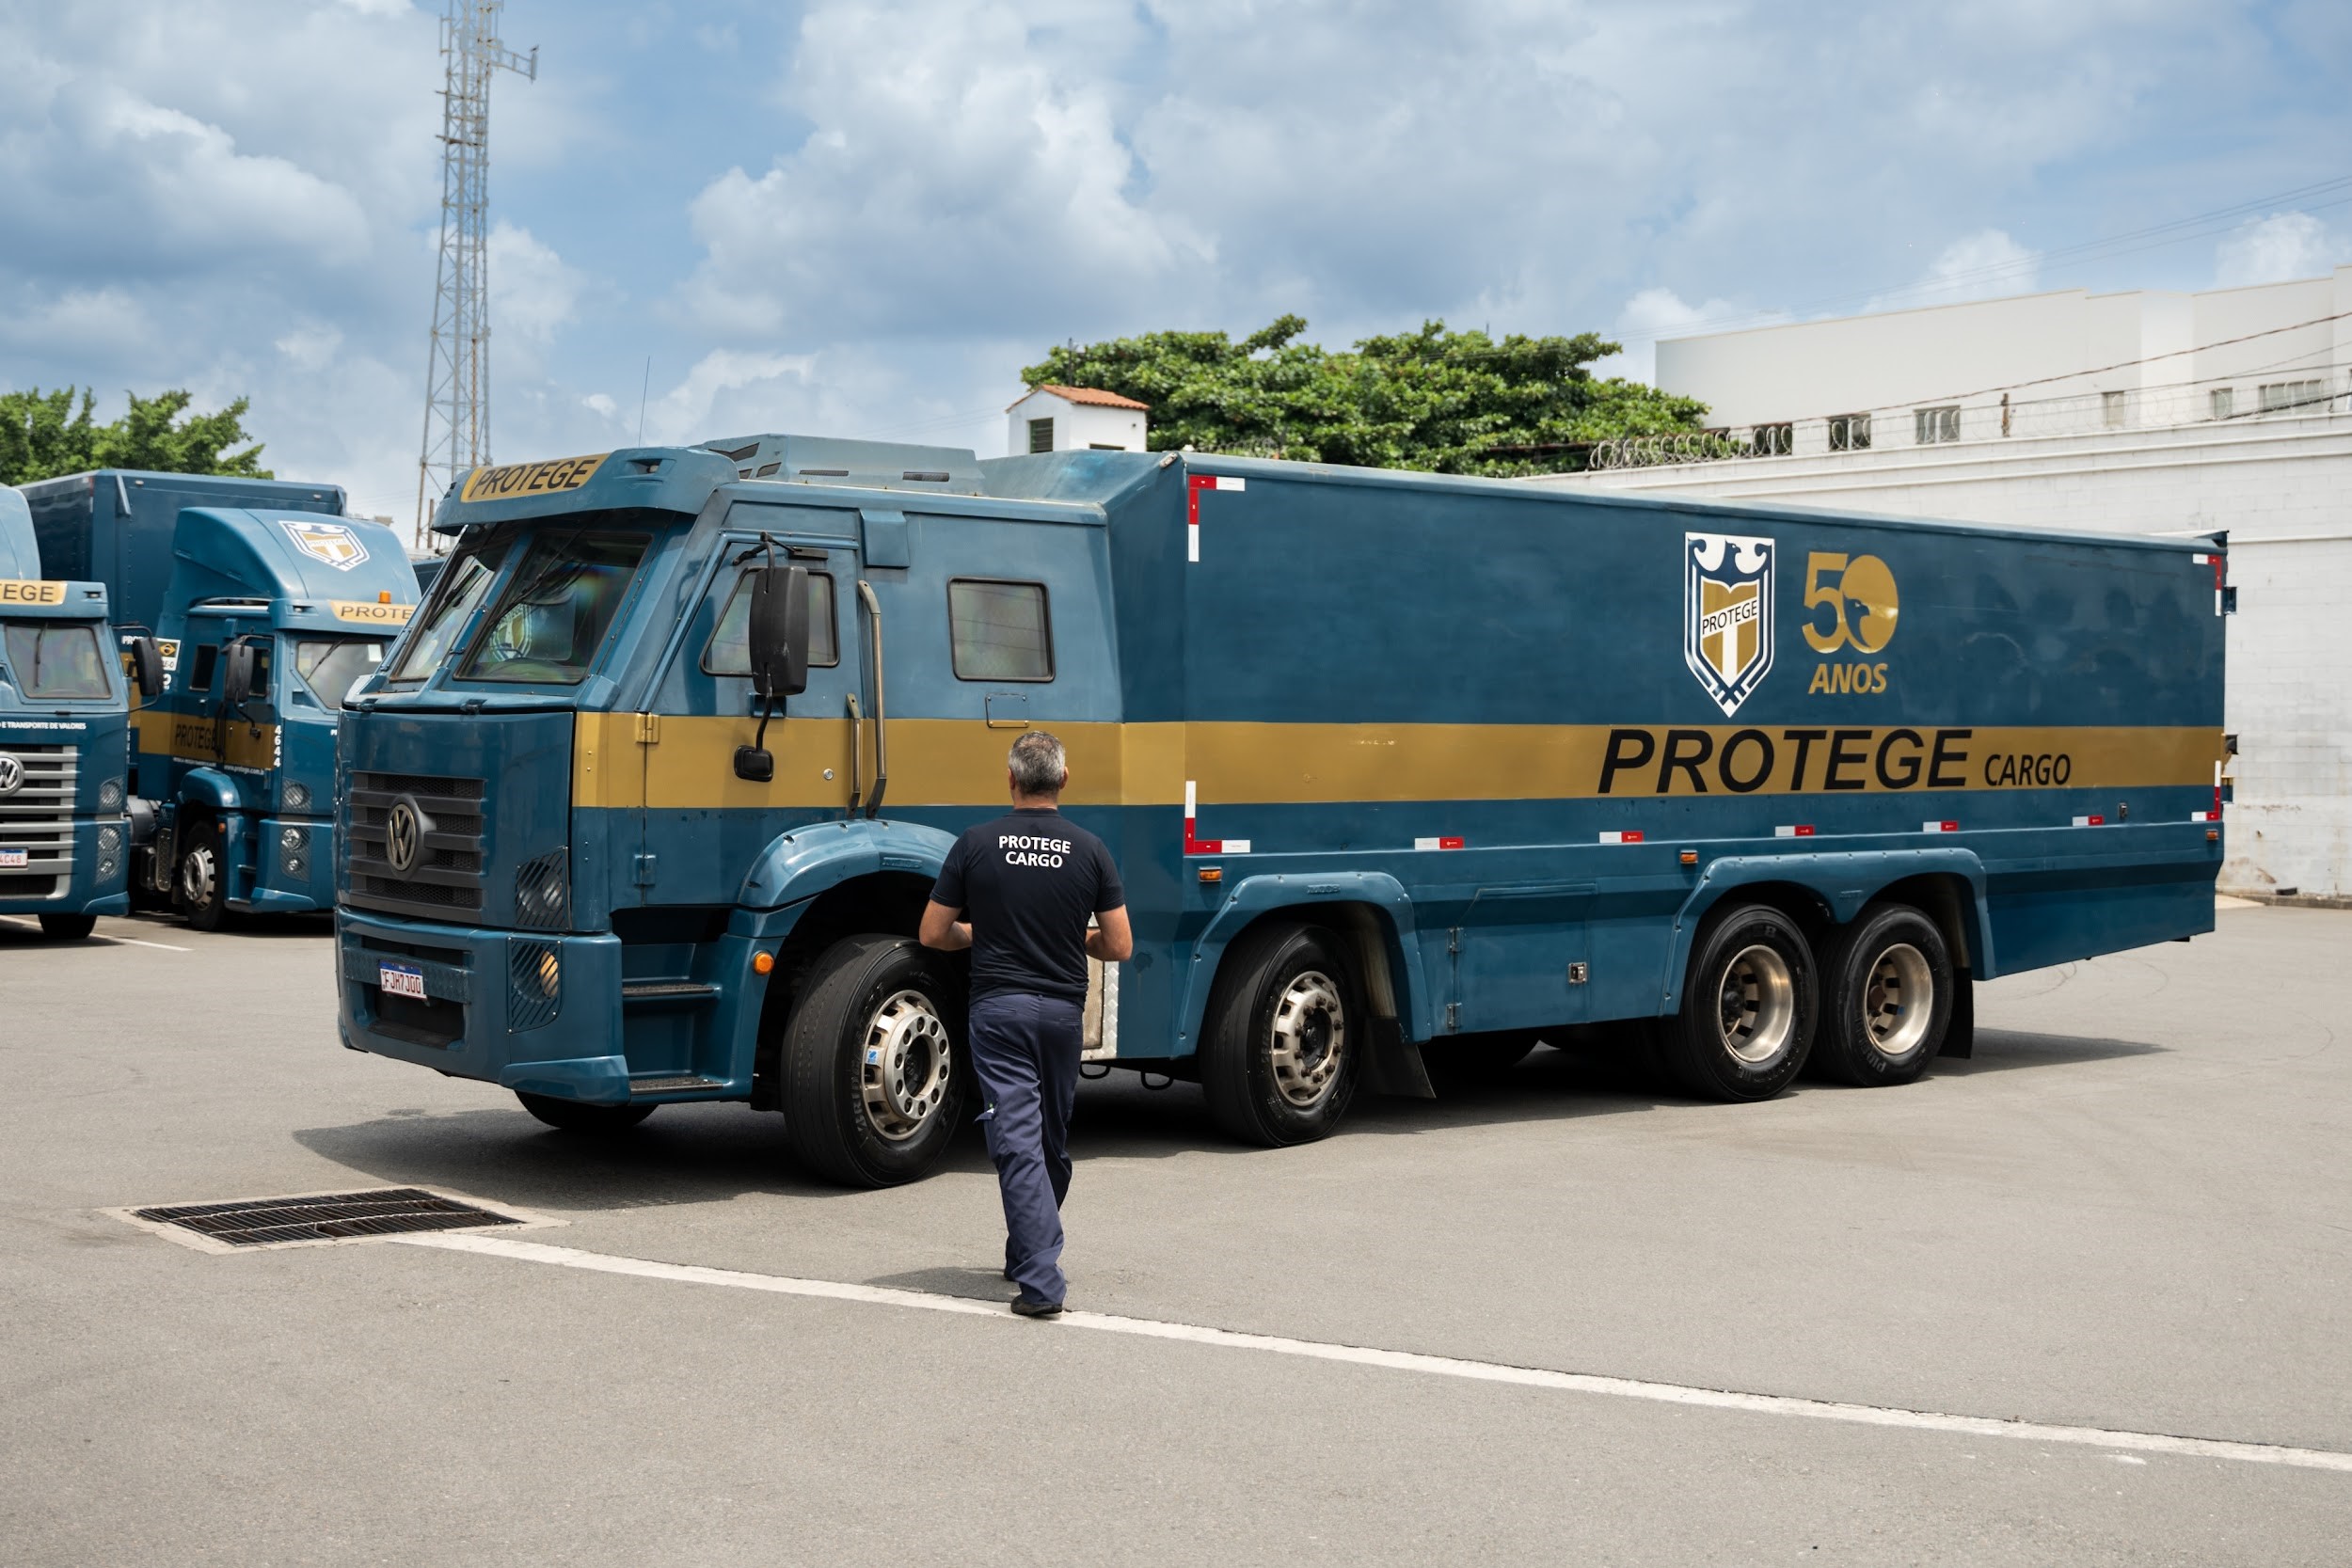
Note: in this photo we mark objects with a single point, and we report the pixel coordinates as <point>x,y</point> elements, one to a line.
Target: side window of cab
<point>1000,631</point>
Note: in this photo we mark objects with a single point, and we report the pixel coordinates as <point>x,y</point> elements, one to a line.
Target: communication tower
<point>457,379</point>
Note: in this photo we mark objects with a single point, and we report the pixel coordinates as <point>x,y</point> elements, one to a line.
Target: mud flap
<point>1959,1035</point>
<point>1392,1066</point>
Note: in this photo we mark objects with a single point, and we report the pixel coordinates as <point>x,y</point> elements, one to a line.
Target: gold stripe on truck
<point>186,739</point>
<point>960,762</point>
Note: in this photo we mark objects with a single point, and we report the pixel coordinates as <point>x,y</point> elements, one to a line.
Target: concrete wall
<point>2280,486</point>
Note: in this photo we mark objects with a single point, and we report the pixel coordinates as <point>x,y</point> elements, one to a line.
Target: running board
<point>689,1083</point>
<point>666,993</point>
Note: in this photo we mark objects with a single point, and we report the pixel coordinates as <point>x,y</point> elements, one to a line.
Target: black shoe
<point>1036,1307</point>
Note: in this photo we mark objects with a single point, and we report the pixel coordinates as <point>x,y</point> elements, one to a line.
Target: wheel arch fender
<point>1836,887</point>
<point>209,789</point>
<point>1370,907</point>
<point>798,866</point>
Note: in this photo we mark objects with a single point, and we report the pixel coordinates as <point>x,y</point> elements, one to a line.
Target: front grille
<point>447,877</point>
<point>38,818</point>
<point>327,1217</point>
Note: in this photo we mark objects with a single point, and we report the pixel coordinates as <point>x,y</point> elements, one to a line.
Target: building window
<point>1774,440</point>
<point>2113,409</point>
<point>998,631</point>
<point>1932,425</point>
<point>2224,401</point>
<point>1849,431</point>
<point>1041,436</point>
<point>2280,396</point>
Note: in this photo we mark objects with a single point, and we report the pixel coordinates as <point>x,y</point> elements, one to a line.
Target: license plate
<point>15,857</point>
<point>400,980</point>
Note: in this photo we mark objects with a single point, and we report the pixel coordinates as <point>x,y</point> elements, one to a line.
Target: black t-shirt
<point>1027,882</point>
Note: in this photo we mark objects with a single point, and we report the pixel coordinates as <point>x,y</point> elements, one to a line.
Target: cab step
<point>666,993</point>
<point>686,1084</point>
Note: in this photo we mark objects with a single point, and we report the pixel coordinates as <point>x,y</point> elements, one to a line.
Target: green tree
<point>1456,403</point>
<point>43,434</point>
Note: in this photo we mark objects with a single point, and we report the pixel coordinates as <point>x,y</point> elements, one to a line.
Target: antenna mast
<point>457,377</point>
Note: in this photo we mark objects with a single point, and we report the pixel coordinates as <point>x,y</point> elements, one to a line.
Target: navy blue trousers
<point>1024,1051</point>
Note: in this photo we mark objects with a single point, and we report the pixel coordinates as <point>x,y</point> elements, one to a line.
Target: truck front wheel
<point>1283,1039</point>
<point>201,885</point>
<point>1748,1005</point>
<point>68,927</point>
<point>572,1116</point>
<point>1889,979</point>
<point>872,1087</point>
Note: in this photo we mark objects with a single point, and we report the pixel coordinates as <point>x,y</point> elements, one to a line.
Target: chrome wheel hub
<point>1756,1005</point>
<point>197,875</point>
<point>1898,1000</point>
<point>1310,1041</point>
<point>905,1065</point>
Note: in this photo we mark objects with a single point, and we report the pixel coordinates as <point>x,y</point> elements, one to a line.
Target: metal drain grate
<point>324,1217</point>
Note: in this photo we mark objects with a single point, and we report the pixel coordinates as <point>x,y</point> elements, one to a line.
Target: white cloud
<point>311,345</point>
<point>2278,249</point>
<point>1655,314</point>
<point>532,292</point>
<point>1984,265</point>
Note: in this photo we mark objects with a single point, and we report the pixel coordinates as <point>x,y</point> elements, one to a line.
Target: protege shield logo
<point>1727,614</point>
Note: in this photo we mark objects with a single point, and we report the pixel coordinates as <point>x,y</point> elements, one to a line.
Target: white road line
<point>1442,1366</point>
<point>125,942</point>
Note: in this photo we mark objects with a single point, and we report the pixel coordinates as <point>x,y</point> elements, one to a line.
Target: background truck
<point>64,756</point>
<point>1402,770</point>
<point>264,605</point>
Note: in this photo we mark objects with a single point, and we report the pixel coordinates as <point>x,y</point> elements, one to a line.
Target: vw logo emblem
<point>11,774</point>
<point>403,836</point>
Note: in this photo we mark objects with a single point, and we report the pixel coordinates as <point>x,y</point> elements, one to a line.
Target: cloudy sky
<point>862,217</point>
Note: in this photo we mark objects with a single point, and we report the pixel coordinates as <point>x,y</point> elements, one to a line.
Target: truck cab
<point>268,619</point>
<point>64,701</point>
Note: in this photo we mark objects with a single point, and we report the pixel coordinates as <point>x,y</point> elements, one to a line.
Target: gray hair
<point>1039,766</point>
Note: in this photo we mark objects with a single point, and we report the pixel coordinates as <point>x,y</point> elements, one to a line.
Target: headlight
<point>297,797</point>
<point>110,838</point>
<point>110,795</point>
<point>294,838</point>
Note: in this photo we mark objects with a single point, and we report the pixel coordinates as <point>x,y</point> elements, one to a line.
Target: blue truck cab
<point>64,707</point>
<point>1403,772</point>
<point>262,605</point>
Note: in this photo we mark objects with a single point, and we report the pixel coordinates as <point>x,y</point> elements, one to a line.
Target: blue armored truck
<point>64,707</point>
<point>263,605</point>
<point>1403,773</point>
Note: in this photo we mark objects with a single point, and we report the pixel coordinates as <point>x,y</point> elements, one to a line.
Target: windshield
<point>557,607</point>
<point>331,665</point>
<point>453,600</point>
<point>55,661</point>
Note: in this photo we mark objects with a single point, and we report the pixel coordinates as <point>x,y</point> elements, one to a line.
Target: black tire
<point>1467,1060</point>
<point>1280,1050</point>
<point>68,927</point>
<point>1873,1030</point>
<point>887,1122</point>
<point>1749,1000</point>
<point>200,881</point>
<point>571,1115</point>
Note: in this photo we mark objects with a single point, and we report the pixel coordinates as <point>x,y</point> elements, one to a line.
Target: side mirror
<point>237,667</point>
<point>147,668</point>
<point>778,627</point>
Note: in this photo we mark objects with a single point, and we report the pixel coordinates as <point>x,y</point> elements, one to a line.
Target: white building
<point>2131,413</point>
<point>1074,418</point>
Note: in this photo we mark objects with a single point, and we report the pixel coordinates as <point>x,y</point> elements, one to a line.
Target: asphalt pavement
<point>2131,1212</point>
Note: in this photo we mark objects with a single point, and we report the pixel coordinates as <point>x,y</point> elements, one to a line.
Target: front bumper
<point>93,878</point>
<point>491,1011</point>
<point>288,878</point>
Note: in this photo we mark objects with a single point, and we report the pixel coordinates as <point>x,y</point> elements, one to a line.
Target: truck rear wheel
<point>571,1115</point>
<point>1889,979</point>
<point>872,1084</point>
<point>1748,1006</point>
<point>200,884</point>
<point>1283,1039</point>
<point>68,927</point>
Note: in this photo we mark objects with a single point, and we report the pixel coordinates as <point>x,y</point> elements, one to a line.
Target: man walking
<point>1018,891</point>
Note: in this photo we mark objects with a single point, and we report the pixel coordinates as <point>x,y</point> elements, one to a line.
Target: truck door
<point>1520,956</point>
